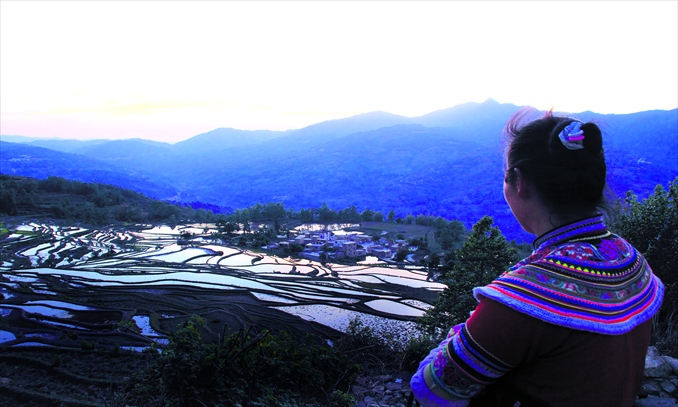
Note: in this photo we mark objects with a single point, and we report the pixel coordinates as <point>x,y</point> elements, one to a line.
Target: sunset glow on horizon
<point>167,71</point>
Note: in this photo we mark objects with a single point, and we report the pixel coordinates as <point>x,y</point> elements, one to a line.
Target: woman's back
<point>570,324</point>
<point>558,366</point>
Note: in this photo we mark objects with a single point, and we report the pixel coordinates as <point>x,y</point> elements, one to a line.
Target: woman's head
<point>567,171</point>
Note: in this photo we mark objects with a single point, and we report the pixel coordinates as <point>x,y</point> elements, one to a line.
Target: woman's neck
<point>551,220</point>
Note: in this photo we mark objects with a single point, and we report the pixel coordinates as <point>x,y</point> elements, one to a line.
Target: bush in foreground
<point>243,370</point>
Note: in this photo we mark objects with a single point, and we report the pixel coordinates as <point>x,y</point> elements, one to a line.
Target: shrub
<point>651,226</point>
<point>482,258</point>
<point>256,370</point>
<point>417,349</point>
<point>375,353</point>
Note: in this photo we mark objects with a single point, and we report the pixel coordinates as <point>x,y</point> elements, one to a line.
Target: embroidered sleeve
<point>456,371</point>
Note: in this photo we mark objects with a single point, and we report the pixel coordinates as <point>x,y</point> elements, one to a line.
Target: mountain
<point>650,136</point>
<point>18,139</point>
<point>38,162</point>
<point>446,163</point>
<point>331,129</point>
<point>67,146</point>
<point>478,122</point>
<point>131,153</point>
<point>221,138</point>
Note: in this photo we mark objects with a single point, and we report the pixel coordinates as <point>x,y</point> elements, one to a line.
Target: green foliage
<point>651,226</point>
<point>419,242</point>
<point>296,248</point>
<point>261,370</point>
<point>8,201</point>
<point>450,234</point>
<point>416,350</point>
<point>374,353</point>
<point>401,255</point>
<point>367,215</point>
<point>341,399</point>
<point>482,258</point>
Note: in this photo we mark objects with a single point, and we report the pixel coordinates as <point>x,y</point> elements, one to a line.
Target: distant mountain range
<point>447,162</point>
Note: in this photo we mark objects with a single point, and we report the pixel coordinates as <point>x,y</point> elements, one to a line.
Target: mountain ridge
<point>454,171</point>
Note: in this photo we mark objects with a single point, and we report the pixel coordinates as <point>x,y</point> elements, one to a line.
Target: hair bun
<point>569,171</point>
<point>593,138</point>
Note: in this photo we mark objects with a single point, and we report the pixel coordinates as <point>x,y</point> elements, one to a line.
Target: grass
<point>665,334</point>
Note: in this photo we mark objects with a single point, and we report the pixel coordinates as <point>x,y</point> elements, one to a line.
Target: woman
<point>570,324</point>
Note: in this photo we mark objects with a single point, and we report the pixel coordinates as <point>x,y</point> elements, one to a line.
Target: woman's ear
<point>524,187</point>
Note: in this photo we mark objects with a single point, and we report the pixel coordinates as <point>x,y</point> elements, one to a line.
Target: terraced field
<point>132,286</point>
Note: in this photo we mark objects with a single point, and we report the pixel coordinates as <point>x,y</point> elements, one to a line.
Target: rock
<point>393,386</point>
<point>655,402</point>
<point>384,378</point>
<point>359,391</point>
<point>655,365</point>
<point>668,387</point>
<point>369,400</point>
<point>650,388</point>
<point>673,362</point>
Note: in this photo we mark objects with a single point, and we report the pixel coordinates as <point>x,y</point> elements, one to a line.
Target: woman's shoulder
<point>608,251</point>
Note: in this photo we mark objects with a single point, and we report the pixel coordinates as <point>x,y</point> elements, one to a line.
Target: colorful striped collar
<point>585,229</point>
<point>581,276</point>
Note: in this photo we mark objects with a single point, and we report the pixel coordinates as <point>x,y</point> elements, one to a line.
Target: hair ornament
<point>572,136</point>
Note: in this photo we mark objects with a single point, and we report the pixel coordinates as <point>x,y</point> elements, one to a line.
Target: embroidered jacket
<point>580,276</point>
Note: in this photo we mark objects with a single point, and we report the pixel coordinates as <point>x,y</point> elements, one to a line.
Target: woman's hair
<point>571,182</point>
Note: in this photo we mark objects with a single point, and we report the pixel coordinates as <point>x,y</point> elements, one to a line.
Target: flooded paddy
<point>132,286</point>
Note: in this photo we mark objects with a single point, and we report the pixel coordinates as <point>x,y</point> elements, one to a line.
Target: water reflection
<point>149,258</point>
<point>334,227</point>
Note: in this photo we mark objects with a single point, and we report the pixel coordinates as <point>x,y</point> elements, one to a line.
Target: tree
<point>401,255</point>
<point>296,248</point>
<point>8,201</point>
<point>185,235</point>
<point>449,234</point>
<point>391,216</point>
<point>651,226</point>
<point>352,214</point>
<point>481,259</point>
<point>326,214</point>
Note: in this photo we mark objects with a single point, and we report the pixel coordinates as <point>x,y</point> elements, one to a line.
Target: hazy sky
<point>170,70</point>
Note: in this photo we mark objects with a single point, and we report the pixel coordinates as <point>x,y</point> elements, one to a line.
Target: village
<point>334,245</point>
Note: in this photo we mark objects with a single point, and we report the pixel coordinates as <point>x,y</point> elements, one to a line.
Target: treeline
<point>97,204</point>
<point>276,211</point>
<point>91,203</point>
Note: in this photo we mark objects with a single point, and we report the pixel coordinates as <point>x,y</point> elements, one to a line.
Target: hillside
<point>445,163</point>
<point>88,203</point>
<point>39,162</point>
